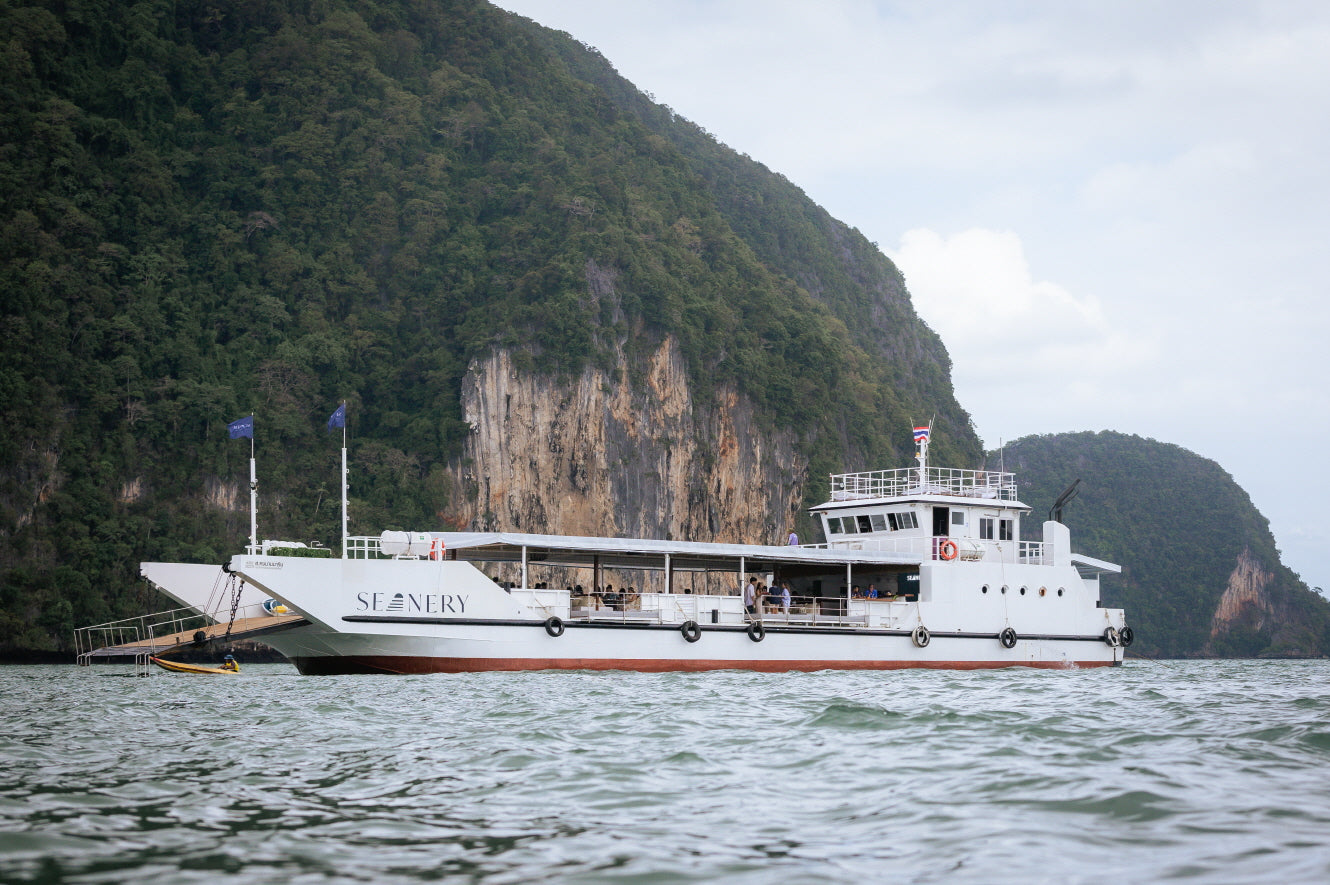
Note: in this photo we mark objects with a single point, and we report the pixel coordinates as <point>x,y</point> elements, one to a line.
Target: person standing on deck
<point>750,598</point>
<point>793,540</point>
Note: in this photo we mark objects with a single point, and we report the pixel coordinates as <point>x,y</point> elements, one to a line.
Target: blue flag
<point>337,418</point>
<point>243,427</point>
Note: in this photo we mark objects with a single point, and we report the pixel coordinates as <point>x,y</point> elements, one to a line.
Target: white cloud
<point>1001,324</point>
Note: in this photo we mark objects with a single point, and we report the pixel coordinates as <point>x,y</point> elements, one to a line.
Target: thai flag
<point>921,434</point>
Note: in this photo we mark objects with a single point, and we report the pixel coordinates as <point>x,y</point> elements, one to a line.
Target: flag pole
<point>344,489</point>
<point>253,500</point>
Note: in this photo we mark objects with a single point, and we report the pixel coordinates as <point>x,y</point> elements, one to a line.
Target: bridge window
<point>865,524</point>
<point>902,521</point>
<point>986,528</point>
<point>1004,529</point>
<point>879,522</point>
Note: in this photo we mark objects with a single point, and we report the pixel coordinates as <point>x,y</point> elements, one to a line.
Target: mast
<point>253,500</point>
<point>921,437</point>
<point>344,490</point>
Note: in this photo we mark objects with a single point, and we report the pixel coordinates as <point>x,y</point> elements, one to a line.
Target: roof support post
<point>669,575</point>
<point>525,583</point>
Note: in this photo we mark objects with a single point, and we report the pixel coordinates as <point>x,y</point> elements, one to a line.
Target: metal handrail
<point>935,481</point>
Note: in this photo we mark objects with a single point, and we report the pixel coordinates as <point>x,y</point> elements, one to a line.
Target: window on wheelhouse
<point>902,521</point>
<point>986,528</point>
<point>1005,530</point>
<point>865,524</point>
<point>833,525</point>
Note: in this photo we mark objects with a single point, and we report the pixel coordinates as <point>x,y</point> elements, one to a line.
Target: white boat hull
<point>419,616</point>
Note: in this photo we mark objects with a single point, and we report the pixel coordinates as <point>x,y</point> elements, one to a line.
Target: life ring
<point>920,636</point>
<point>756,631</point>
<point>437,548</point>
<point>554,626</point>
<point>1008,638</point>
<point>690,631</point>
<point>1125,636</point>
<point>947,550</point>
<point>1111,638</point>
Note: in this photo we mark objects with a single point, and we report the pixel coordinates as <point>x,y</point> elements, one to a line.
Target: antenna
<point>1055,512</point>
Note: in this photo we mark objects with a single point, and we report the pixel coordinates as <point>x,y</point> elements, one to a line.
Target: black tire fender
<point>756,631</point>
<point>1008,638</point>
<point>554,626</point>
<point>690,631</point>
<point>1111,638</point>
<point>1125,636</point>
<point>920,636</point>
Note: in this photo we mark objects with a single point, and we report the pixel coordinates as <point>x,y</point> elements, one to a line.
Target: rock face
<point>634,457</point>
<point>1244,602</point>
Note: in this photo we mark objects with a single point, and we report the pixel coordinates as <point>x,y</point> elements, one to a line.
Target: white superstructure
<point>923,567</point>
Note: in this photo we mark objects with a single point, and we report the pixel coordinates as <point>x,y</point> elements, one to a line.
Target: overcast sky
<point>1116,215</point>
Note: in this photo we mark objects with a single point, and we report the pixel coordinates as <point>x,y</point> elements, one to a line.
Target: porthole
<point>1059,591</point>
<point>1022,591</point>
<point>983,589</point>
<point>1004,589</point>
<point>1043,590</point>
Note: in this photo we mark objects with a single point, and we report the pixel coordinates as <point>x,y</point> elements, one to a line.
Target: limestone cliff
<point>628,458</point>
<point>1244,601</point>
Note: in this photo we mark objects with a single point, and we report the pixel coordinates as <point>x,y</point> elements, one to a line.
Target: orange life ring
<point>436,548</point>
<point>947,550</point>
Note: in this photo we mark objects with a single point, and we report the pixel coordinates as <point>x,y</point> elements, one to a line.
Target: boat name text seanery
<point>427,603</point>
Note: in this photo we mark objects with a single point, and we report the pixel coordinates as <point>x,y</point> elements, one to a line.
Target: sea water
<point>1155,771</point>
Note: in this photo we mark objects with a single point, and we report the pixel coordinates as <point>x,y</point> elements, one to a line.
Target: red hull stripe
<point>325,666</point>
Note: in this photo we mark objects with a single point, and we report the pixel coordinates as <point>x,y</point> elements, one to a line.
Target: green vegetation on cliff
<point>208,210</point>
<point>1178,525</point>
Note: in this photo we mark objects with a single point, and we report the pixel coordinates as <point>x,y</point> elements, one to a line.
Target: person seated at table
<point>872,591</point>
<point>856,592</point>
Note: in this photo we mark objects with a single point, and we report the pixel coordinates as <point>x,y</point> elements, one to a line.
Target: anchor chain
<point>237,587</point>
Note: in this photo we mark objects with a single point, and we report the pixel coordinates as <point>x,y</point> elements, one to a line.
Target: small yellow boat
<point>177,667</point>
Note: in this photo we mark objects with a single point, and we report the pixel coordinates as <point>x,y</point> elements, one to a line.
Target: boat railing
<point>812,611</point>
<point>127,631</point>
<point>933,547</point>
<point>906,481</point>
<point>364,547</point>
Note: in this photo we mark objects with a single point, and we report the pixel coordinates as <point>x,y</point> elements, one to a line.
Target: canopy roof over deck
<point>638,553</point>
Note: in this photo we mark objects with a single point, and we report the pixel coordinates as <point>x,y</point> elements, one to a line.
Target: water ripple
<point>1205,771</point>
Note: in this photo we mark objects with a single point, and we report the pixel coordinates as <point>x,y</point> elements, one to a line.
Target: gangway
<point>137,639</point>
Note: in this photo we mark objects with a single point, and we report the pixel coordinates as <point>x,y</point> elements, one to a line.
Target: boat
<point>178,667</point>
<point>921,567</point>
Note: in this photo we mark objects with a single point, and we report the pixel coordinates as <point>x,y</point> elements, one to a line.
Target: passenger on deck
<point>793,540</point>
<point>872,591</point>
<point>856,592</point>
<point>785,597</point>
<point>750,597</point>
